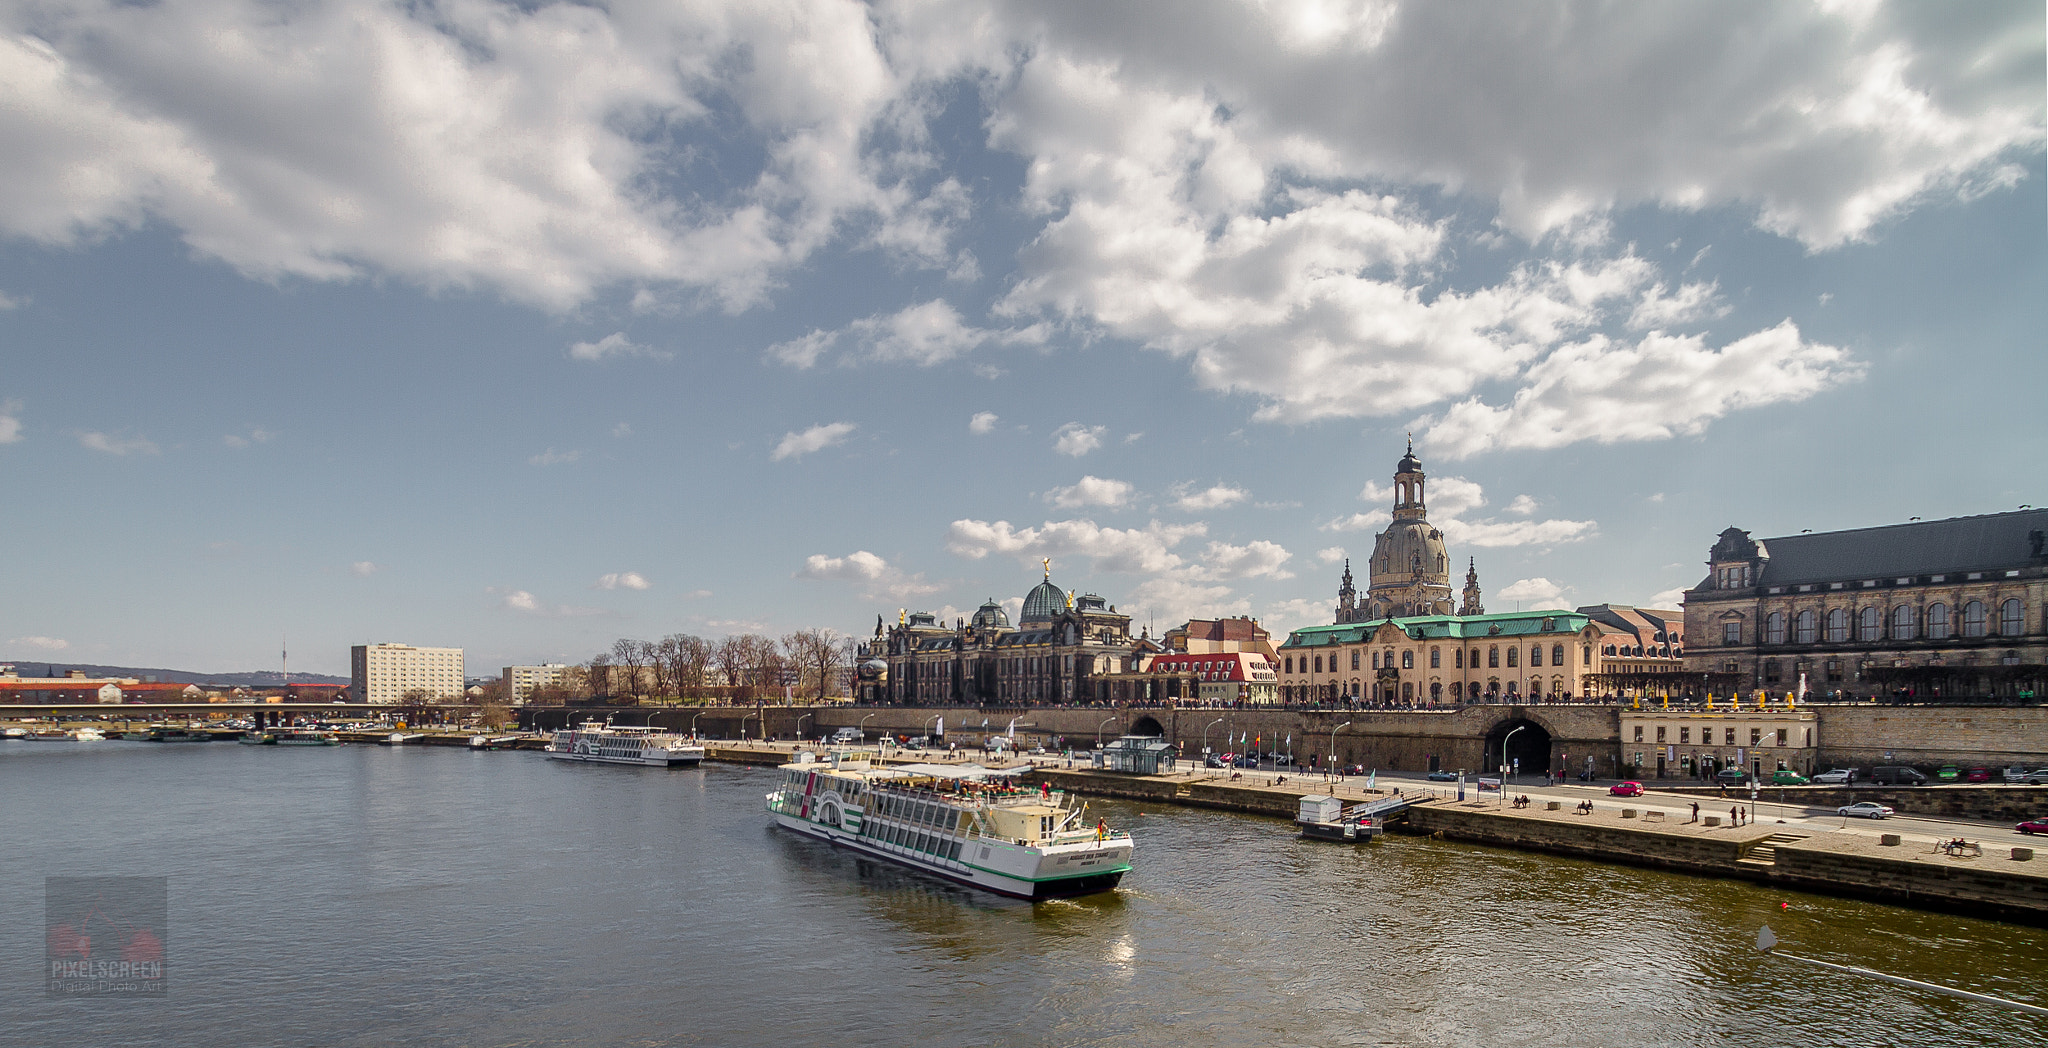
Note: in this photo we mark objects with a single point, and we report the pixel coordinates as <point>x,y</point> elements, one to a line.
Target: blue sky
<point>521,328</point>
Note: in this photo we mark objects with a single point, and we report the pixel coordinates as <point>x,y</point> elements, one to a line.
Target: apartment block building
<point>384,674</point>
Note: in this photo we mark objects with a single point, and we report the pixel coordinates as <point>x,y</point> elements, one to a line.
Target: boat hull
<point>955,871</point>
<point>684,760</point>
<point>1346,833</point>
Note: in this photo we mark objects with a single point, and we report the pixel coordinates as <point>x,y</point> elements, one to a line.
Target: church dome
<point>1409,463</point>
<point>1044,603</point>
<point>991,616</point>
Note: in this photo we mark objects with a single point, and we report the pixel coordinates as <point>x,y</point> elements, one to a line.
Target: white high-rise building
<point>387,673</point>
<point>522,681</point>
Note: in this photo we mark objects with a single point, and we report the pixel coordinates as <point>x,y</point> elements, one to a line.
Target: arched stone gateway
<point>1530,744</point>
<point>1147,726</point>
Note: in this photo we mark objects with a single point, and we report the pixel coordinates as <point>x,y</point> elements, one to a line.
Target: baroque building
<point>1409,573</point>
<point>1941,609</point>
<point>1063,649</point>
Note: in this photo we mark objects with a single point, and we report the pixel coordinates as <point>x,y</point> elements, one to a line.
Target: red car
<point>1626,789</point>
<point>1977,775</point>
<point>2033,826</point>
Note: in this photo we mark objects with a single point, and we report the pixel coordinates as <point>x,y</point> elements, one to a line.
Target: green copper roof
<point>1443,627</point>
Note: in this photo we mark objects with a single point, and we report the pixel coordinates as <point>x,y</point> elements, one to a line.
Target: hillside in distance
<point>250,679</point>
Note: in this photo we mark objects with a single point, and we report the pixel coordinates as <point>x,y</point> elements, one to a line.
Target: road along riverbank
<point>2005,881</point>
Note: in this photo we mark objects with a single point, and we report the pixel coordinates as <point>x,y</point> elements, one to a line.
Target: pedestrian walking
<point>1695,811</point>
<point>1734,816</point>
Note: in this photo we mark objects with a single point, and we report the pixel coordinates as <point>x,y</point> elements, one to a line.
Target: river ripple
<point>371,896</point>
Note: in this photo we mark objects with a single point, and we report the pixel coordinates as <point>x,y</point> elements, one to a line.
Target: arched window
<point>1937,621</point>
<point>1407,660</point>
<point>1608,651</point>
<point>1513,654</point>
<point>1436,691</point>
<point>1535,654</point>
<point>1838,626</point>
<point>1905,622</point>
<point>1457,691</point>
<point>1805,628</point>
<point>1408,690</point>
<point>1475,658</point>
<point>1585,654</point>
<point>1319,664</point>
<point>1557,654</point>
<point>1493,657</point>
<point>1436,658</point>
<point>1774,628</point>
<point>1535,688</point>
<point>1973,619</point>
<point>1869,624</point>
<point>2012,619</point>
<point>1459,660</point>
<point>1375,660</point>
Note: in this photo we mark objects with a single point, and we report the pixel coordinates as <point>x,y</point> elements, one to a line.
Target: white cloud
<point>520,600</point>
<point>1146,550</point>
<point>622,430</point>
<point>256,435</point>
<point>616,580</point>
<point>1522,505</point>
<point>1376,492</point>
<point>859,566</point>
<point>1256,559</point>
<point>8,302</point>
<point>527,604</point>
<point>1091,491</point>
<point>613,345</point>
<point>1370,520</point>
<point>878,577</point>
<point>983,422</point>
<point>363,569</point>
<point>697,594</point>
<point>1451,501</point>
<point>113,445</point>
<point>925,334</point>
<point>42,643</point>
<point>10,421</point>
<point>1076,440</point>
<point>1537,591</point>
<point>1217,496</point>
<point>1659,387</point>
<point>1330,555</point>
<point>816,438</point>
<point>1170,601</point>
<point>1284,615</point>
<point>1668,600</point>
<point>551,457</point>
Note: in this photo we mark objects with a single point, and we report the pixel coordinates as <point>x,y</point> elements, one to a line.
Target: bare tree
<point>766,668</point>
<point>686,658</point>
<point>815,656</point>
<point>731,656</point>
<point>599,676</point>
<point>629,658</point>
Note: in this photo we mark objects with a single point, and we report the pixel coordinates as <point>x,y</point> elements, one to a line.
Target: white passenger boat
<point>965,824</point>
<point>400,738</point>
<point>616,745</point>
<point>89,735</point>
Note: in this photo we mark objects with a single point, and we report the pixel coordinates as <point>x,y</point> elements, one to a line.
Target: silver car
<point>1867,810</point>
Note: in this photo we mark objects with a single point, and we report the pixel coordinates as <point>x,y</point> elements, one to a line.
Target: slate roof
<point>1442,627</point>
<point>1992,542</point>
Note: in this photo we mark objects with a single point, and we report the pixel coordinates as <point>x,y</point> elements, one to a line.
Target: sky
<point>525,327</point>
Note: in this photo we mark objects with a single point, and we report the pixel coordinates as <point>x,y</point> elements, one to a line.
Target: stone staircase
<point>1765,852</point>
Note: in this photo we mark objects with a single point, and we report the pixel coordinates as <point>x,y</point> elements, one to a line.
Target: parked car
<point>1731,776</point>
<point>1213,761</point>
<point>1894,775</point>
<point>1353,769</point>
<point>2037,777</point>
<point>1867,810</point>
<point>1836,776</point>
<point>1949,773</point>
<point>1782,777</point>
<point>1977,775</point>
<point>2033,826</point>
<point>1626,789</point>
<point>1443,776</point>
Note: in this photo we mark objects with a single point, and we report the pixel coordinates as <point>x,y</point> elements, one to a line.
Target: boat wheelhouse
<point>608,744</point>
<point>968,824</point>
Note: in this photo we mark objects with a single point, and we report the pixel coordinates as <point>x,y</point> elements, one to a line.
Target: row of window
<point>1872,624</point>
<point>1756,736</point>
<point>1638,651</point>
<point>1436,658</point>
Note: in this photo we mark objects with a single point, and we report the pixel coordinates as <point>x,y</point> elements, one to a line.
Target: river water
<point>372,896</point>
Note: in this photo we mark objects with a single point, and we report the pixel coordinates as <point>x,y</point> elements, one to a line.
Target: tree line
<point>814,664</point>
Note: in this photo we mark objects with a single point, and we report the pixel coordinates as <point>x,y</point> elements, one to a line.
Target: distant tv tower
<point>284,658</point>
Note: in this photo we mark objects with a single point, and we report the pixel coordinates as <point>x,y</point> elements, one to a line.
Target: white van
<point>846,735</point>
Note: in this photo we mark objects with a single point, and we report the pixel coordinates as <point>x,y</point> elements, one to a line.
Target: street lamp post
<point>1504,762</point>
<point>1098,731</point>
<point>743,725</point>
<point>1205,739</point>
<point>693,723</point>
<point>800,726</point>
<point>864,727</point>
<point>1333,746</point>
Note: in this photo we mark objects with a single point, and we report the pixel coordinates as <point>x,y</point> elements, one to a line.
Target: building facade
<point>522,681</point>
<point>1237,678</point>
<point>1952,609</point>
<point>1696,743</point>
<point>1641,652</point>
<point>1410,571</point>
<point>1062,650</point>
<point>1440,660</point>
<point>384,674</point>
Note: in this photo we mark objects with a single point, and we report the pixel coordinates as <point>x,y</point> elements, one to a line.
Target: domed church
<point>1409,574</point>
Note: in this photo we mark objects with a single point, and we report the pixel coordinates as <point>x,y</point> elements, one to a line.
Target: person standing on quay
<point>1734,816</point>
<point>1695,811</point>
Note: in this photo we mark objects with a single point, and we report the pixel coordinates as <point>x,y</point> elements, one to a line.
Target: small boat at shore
<point>88,735</point>
<point>400,738</point>
<point>257,738</point>
<point>176,735</point>
<point>306,737</point>
<point>1324,818</point>
<point>968,824</point>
